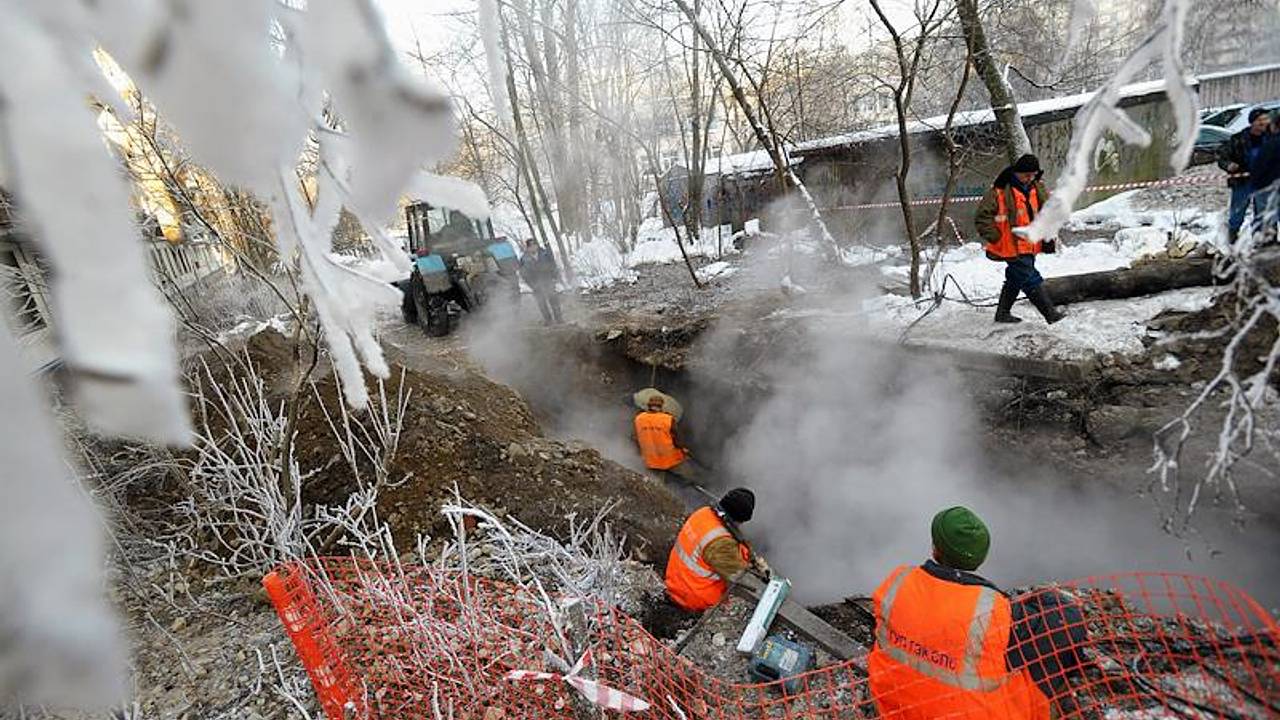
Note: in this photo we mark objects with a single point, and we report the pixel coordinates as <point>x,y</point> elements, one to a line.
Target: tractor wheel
<point>408,306</point>
<point>436,320</point>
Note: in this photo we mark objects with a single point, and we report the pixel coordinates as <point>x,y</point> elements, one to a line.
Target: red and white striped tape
<point>1183,180</point>
<point>595,692</point>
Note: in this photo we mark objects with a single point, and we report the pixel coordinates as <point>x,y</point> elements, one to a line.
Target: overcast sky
<point>429,19</point>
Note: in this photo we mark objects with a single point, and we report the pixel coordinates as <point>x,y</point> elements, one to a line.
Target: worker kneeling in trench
<point>663,453</point>
<point>710,552</point>
<point>949,643</point>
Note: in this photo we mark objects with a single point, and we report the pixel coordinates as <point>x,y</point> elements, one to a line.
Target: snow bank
<point>720,269</point>
<point>599,264</point>
<point>249,327</point>
<point>378,268</point>
<point>1121,211</point>
<point>656,244</point>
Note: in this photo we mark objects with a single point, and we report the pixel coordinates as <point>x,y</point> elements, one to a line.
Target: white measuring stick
<point>770,600</point>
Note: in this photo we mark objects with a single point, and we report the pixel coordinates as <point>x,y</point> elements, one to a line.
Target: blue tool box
<point>780,659</point>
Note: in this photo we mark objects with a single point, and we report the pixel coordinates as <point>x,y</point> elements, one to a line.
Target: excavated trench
<point>1060,483</point>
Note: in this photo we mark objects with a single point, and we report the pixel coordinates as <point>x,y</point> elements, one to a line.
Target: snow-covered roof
<point>1029,111</point>
<point>1252,70</point>
<point>756,161</point>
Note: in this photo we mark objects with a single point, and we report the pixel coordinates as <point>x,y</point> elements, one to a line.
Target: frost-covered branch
<point>1244,387</point>
<point>1102,113</point>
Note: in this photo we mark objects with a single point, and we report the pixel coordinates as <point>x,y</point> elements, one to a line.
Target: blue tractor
<point>458,265</point>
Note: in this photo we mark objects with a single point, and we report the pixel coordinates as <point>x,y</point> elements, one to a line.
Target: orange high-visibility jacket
<point>940,652</point>
<point>691,582</point>
<point>656,440</point>
<point>1010,245</point>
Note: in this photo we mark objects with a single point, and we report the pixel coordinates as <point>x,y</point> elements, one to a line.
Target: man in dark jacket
<point>538,268</point>
<point>1264,181</point>
<point>1238,155</point>
<point>1014,200</point>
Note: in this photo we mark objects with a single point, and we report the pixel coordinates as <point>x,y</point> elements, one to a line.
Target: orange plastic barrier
<point>383,641</point>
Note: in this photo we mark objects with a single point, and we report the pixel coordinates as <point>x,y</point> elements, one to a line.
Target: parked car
<point>1221,115</point>
<point>1234,118</point>
<point>1207,142</point>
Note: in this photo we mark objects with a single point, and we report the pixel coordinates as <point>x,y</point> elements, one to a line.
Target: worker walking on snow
<point>709,552</point>
<point>655,433</point>
<point>1014,200</point>
<point>943,636</point>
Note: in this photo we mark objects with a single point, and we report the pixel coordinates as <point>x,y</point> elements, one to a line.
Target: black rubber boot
<point>1008,294</point>
<point>1040,298</point>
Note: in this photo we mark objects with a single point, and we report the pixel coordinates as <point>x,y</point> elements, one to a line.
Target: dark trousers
<point>1240,195</point>
<point>548,303</point>
<point>1021,273</point>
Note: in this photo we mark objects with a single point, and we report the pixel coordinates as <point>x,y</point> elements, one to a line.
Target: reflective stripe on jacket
<point>691,582</point>
<point>657,441</point>
<point>1009,245</point>
<point>940,652</point>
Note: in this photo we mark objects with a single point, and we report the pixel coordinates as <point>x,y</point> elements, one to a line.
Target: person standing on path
<point>538,268</point>
<point>1014,200</point>
<point>1237,156</point>
<point>1264,181</point>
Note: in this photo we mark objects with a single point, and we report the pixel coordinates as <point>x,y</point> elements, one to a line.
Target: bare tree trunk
<point>696,177</point>
<point>662,202</point>
<point>782,167</point>
<point>1002,102</point>
<point>908,68</point>
<point>953,149</point>
<point>537,193</point>
<point>547,84</point>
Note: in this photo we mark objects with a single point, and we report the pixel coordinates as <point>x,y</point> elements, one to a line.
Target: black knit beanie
<point>1027,164</point>
<point>739,504</point>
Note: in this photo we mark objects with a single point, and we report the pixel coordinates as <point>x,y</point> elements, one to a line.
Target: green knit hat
<point>961,538</point>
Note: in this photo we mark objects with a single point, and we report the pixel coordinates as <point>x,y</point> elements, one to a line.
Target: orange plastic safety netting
<point>391,641</point>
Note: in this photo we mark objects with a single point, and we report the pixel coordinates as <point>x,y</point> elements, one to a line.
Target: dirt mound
<point>460,429</point>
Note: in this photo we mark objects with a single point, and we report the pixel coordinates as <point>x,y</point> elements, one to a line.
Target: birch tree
<point>1003,103</point>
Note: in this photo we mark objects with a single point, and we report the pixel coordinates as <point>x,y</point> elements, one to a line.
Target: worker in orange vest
<point>709,552</point>
<point>943,636</point>
<point>1014,200</point>
<point>655,433</point>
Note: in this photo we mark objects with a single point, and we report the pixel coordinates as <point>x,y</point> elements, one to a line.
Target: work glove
<point>1050,246</point>
<point>761,566</point>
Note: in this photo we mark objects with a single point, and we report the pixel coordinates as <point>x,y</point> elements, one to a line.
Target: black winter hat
<point>1027,163</point>
<point>739,504</point>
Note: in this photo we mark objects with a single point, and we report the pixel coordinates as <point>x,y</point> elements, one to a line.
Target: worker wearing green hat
<point>960,539</point>
<point>942,633</point>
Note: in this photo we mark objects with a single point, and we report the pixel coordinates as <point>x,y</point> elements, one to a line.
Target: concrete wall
<point>865,173</point>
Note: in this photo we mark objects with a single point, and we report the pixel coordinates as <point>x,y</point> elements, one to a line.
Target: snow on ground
<point>979,277</point>
<point>1096,328</point>
<point>1090,328</point>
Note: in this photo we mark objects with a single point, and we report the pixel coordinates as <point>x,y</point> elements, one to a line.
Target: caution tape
<point>596,693</point>
<point>1167,182</point>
